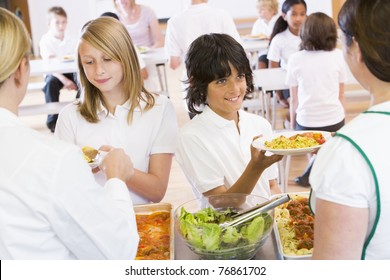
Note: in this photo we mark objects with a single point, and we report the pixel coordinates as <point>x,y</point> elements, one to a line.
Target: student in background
<point>263,26</point>
<point>285,39</point>
<point>350,178</point>
<point>141,22</point>
<point>56,44</point>
<point>50,205</point>
<point>117,110</point>
<point>184,28</point>
<point>316,76</point>
<point>214,149</point>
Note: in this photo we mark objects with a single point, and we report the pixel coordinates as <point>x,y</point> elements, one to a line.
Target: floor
<point>179,190</point>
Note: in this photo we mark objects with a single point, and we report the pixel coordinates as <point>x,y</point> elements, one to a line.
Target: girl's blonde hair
<point>271,4</point>
<point>15,44</point>
<point>112,38</point>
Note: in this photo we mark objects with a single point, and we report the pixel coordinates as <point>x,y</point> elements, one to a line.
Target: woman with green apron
<point>351,176</point>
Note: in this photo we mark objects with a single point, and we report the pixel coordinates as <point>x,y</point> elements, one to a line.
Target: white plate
<point>68,58</point>
<point>259,143</point>
<point>254,37</point>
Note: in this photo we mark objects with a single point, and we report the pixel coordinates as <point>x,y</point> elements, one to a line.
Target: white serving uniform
<point>318,75</point>
<point>212,152</point>
<point>342,175</point>
<point>50,205</point>
<point>282,46</point>
<point>151,132</point>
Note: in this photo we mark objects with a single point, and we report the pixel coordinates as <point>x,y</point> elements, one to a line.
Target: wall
<point>80,11</point>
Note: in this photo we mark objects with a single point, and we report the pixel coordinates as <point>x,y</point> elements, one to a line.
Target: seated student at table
<point>50,205</point>
<point>214,148</point>
<point>117,110</point>
<point>350,177</point>
<point>268,14</point>
<point>57,44</point>
<point>142,23</point>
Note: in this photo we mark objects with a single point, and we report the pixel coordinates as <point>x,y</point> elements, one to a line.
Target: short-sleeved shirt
<point>261,27</point>
<point>140,31</point>
<point>213,153</point>
<point>151,132</point>
<point>342,175</point>
<point>282,46</point>
<point>318,87</point>
<point>50,46</point>
<point>197,20</point>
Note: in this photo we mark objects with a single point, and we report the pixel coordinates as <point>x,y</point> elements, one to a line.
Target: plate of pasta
<point>292,142</point>
<point>294,227</point>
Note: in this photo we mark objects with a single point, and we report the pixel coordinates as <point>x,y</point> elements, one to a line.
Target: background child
<point>57,44</point>
<point>117,110</point>
<point>285,39</point>
<point>316,77</point>
<point>268,14</point>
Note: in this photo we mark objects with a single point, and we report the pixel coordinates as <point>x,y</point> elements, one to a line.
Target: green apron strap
<point>377,112</point>
<point>377,192</point>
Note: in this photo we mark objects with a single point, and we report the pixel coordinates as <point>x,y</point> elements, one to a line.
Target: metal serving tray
<point>159,207</point>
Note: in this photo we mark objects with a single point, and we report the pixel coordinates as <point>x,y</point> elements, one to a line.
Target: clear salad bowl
<point>199,221</point>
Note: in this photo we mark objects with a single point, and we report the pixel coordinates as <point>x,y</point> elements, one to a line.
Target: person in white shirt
<point>117,110</point>
<point>264,25</point>
<point>316,76</point>
<point>56,44</point>
<point>184,28</point>
<point>50,205</point>
<point>285,39</point>
<point>350,177</point>
<point>214,148</point>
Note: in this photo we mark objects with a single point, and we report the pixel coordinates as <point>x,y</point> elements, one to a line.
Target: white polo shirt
<point>197,20</point>
<point>151,132</point>
<point>52,46</point>
<point>282,46</point>
<point>261,27</point>
<point>212,152</point>
<point>318,87</point>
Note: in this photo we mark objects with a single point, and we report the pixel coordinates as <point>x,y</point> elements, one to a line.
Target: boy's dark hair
<point>110,14</point>
<point>209,58</point>
<point>59,11</point>
<point>318,33</point>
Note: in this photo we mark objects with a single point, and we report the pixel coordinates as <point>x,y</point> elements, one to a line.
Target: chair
<point>267,81</point>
